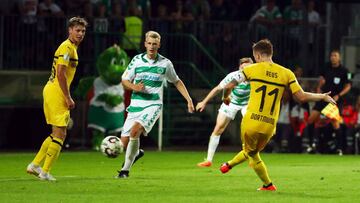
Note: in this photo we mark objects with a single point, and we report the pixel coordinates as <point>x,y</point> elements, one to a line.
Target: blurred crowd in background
<point>289,23</point>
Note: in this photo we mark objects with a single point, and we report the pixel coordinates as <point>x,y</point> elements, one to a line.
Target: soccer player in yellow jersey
<point>268,81</point>
<point>57,99</point>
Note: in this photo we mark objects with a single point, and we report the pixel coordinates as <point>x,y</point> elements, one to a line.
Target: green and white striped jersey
<point>152,73</point>
<point>240,94</point>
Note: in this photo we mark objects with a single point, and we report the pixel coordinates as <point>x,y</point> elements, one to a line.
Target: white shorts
<point>231,110</point>
<point>147,119</point>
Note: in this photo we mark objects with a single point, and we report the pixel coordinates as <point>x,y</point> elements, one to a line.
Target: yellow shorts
<point>55,108</point>
<point>254,140</point>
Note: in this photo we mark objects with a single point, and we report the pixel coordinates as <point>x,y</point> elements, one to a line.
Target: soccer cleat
<point>270,187</point>
<point>46,176</point>
<point>225,167</point>
<point>123,174</point>
<point>204,164</point>
<point>33,169</point>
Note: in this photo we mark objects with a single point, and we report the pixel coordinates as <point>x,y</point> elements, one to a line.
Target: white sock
<point>213,143</point>
<point>131,151</point>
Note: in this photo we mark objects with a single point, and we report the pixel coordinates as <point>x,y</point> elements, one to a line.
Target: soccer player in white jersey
<point>228,110</point>
<point>144,76</point>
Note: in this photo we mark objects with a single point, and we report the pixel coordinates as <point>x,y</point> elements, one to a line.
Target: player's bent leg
<point>239,158</point>
<point>221,123</point>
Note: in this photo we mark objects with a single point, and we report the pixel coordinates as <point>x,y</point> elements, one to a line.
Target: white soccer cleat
<point>33,169</point>
<point>46,176</point>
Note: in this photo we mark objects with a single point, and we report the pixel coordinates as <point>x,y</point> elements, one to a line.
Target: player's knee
<point>252,153</point>
<point>136,130</point>
<point>59,133</point>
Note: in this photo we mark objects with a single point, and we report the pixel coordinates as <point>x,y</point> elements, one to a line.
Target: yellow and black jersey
<point>267,81</point>
<point>66,55</point>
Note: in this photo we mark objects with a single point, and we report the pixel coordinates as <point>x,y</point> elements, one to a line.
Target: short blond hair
<point>153,34</point>
<point>77,21</point>
<point>245,60</point>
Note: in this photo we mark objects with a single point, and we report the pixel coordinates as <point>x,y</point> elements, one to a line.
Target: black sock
<point>266,186</point>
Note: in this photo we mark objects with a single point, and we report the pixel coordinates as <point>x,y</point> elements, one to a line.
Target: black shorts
<point>320,105</point>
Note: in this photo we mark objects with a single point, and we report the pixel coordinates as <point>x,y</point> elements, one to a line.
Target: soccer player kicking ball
<point>227,112</point>
<point>57,99</point>
<point>268,81</point>
<point>145,76</point>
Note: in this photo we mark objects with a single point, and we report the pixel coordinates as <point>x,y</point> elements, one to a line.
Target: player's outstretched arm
<point>201,105</point>
<point>182,89</point>
<point>303,97</point>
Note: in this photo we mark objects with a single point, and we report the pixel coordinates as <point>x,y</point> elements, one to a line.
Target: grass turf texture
<point>174,177</point>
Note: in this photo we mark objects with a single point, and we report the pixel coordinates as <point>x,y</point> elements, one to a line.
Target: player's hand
<point>191,108</point>
<point>226,100</point>
<point>200,106</point>
<point>70,103</point>
<point>139,87</point>
<point>328,98</point>
<point>336,97</point>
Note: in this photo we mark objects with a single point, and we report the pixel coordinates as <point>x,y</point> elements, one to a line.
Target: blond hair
<point>153,34</point>
<point>77,21</point>
<point>245,60</point>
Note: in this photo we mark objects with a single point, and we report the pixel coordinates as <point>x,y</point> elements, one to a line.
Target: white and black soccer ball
<point>111,146</point>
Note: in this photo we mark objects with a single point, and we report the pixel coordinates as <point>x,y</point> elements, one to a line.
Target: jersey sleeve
<point>170,73</point>
<point>293,84</point>
<point>228,79</point>
<point>346,76</point>
<point>64,55</point>
<point>129,73</point>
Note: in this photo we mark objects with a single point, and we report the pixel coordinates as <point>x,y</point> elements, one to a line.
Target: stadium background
<point>203,50</point>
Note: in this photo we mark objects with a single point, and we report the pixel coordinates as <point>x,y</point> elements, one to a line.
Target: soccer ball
<point>111,146</point>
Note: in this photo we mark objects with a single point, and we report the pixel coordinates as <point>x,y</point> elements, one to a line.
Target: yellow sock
<point>42,151</point>
<point>238,159</point>
<point>260,168</point>
<point>52,153</point>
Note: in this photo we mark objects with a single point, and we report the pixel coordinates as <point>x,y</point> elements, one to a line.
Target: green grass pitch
<point>172,176</point>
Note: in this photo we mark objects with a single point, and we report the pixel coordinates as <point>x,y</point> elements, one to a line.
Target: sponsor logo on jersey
<point>66,57</point>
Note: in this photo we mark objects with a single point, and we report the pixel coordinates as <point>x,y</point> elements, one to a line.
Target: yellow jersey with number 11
<point>267,84</point>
